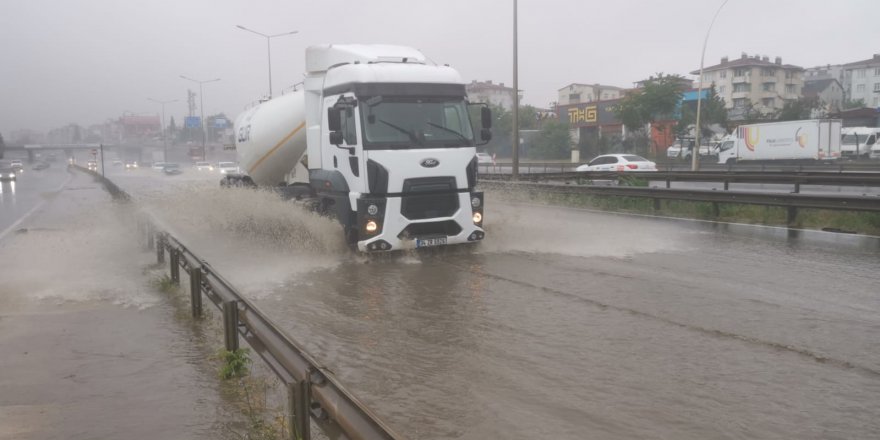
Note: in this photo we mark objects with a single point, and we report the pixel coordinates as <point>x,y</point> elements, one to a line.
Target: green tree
<point>657,99</point>
<point>850,104</point>
<point>798,109</point>
<point>712,112</point>
<point>553,141</point>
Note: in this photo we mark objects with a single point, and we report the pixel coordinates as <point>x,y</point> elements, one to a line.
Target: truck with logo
<point>808,140</point>
<point>378,138</point>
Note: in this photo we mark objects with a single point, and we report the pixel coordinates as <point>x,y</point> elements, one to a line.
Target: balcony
<point>741,94</point>
<point>741,79</point>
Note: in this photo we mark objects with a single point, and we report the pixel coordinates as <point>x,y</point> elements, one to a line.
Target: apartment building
<point>861,80</point>
<point>581,93</point>
<point>492,93</point>
<point>755,80</point>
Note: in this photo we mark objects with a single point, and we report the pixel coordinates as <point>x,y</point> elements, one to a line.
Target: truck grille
<point>429,197</point>
<point>446,228</point>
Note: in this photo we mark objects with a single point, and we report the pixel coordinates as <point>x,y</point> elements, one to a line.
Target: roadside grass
<point>819,219</point>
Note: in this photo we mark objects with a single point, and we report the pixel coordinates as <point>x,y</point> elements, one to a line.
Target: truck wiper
<point>412,136</point>
<point>461,136</point>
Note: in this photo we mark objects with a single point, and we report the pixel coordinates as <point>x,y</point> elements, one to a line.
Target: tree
<point>657,99</point>
<point>712,112</point>
<point>798,109</point>
<point>552,142</point>
<point>850,104</point>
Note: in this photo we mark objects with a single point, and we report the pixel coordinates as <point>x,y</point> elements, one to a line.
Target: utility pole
<point>202,110</point>
<point>268,48</point>
<point>695,154</point>
<point>164,136</point>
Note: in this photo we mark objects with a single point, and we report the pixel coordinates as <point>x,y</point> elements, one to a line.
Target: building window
<point>768,72</point>
<point>769,87</point>
<point>877,87</point>
<point>788,74</point>
<point>860,88</point>
<point>574,97</point>
<point>768,102</point>
<point>742,88</point>
<point>722,90</point>
<point>739,102</point>
<point>741,72</point>
<point>723,74</point>
<point>860,73</point>
<point>789,88</point>
<point>877,71</point>
<point>707,77</point>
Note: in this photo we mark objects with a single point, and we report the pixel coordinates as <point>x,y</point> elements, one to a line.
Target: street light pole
<point>695,155</point>
<point>202,111</point>
<point>515,175</point>
<point>164,136</point>
<point>268,48</point>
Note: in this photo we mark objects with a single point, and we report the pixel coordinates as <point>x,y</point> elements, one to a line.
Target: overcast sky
<point>85,61</point>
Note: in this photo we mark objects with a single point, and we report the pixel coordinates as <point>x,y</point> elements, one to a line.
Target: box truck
<point>810,140</point>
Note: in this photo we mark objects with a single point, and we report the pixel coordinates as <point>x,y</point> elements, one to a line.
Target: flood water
<point>567,323</point>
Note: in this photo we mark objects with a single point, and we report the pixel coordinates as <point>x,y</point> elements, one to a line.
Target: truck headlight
<point>478,217</point>
<point>371,226</point>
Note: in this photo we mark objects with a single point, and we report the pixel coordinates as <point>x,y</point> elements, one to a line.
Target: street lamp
<point>268,48</point>
<point>515,175</point>
<point>695,155</point>
<point>202,110</point>
<point>164,137</point>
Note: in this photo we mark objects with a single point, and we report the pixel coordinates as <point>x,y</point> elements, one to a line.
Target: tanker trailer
<point>388,145</point>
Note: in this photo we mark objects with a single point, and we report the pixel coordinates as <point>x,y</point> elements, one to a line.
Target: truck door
<point>347,158</point>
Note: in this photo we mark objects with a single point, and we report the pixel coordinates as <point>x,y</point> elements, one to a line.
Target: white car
<point>158,166</point>
<point>485,159</point>
<point>227,167</point>
<point>204,166</point>
<point>619,162</point>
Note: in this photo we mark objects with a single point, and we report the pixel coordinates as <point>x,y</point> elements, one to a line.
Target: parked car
<point>171,169</point>
<point>17,165</point>
<point>228,167</point>
<point>204,166</point>
<point>680,150</point>
<point>619,162</point>
<point>485,158</point>
<point>7,173</point>
<point>158,166</point>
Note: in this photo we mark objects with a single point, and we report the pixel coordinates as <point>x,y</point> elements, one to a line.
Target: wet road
<point>28,193</point>
<point>565,323</point>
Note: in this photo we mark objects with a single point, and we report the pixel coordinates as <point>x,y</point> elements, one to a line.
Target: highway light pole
<point>695,155</point>
<point>268,48</point>
<point>515,175</point>
<point>164,136</point>
<point>202,110</point>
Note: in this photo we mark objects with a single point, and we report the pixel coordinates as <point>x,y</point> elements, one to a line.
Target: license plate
<point>426,242</point>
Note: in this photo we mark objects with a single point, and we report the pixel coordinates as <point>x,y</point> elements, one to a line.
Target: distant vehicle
<point>485,158</point>
<point>619,162</point>
<point>7,173</point>
<point>680,149</point>
<point>858,141</point>
<point>158,166</point>
<point>171,169</point>
<point>41,166</point>
<point>815,139</point>
<point>227,167</point>
<point>93,165</point>
<point>204,166</point>
<point>131,165</point>
<point>117,163</point>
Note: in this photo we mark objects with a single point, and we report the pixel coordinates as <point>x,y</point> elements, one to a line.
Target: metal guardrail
<point>777,177</point>
<point>314,393</point>
<point>556,167</point>
<point>792,201</point>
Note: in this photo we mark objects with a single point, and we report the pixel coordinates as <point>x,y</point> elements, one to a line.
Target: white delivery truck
<point>816,139</point>
<point>378,139</point>
<point>857,142</point>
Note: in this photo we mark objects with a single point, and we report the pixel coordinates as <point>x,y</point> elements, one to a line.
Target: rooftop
<point>749,61</point>
<point>875,60</point>
<point>814,88</point>
<point>601,86</point>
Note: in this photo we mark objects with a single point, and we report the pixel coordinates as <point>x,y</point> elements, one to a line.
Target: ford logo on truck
<point>430,163</point>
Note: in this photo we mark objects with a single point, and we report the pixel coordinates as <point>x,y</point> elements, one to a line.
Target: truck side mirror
<point>334,120</point>
<point>336,137</point>
<point>486,118</point>
<point>486,135</point>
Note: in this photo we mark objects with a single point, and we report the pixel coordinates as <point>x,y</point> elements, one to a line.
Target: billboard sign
<point>220,122</point>
<point>589,114</point>
<point>192,122</point>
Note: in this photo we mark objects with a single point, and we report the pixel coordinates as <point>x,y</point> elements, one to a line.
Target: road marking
<point>32,210</point>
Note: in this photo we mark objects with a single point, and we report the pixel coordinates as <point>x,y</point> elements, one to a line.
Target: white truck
<point>378,139</point>
<point>816,139</point>
<point>858,141</point>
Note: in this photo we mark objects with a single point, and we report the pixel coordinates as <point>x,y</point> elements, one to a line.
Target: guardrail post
<point>668,182</point>
<point>726,185</point>
<point>230,324</point>
<point>716,210</point>
<point>195,290</point>
<point>797,187</point>
<point>791,217</point>
<point>150,236</point>
<point>160,248</point>
<point>175,266</point>
<point>298,403</point>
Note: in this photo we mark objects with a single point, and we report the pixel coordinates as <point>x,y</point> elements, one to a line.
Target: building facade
<point>861,80</point>
<point>583,93</point>
<point>754,81</point>
<point>829,93</point>
<point>491,93</point>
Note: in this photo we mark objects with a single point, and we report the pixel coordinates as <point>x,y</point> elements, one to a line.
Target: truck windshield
<point>409,122</point>
<point>851,139</point>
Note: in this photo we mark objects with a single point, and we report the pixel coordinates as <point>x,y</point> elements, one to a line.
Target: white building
<point>861,80</point>
<point>578,93</point>
<point>766,84</point>
<point>828,91</point>
<point>488,92</point>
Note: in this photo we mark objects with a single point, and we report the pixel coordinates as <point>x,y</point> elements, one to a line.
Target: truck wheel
<point>731,161</point>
